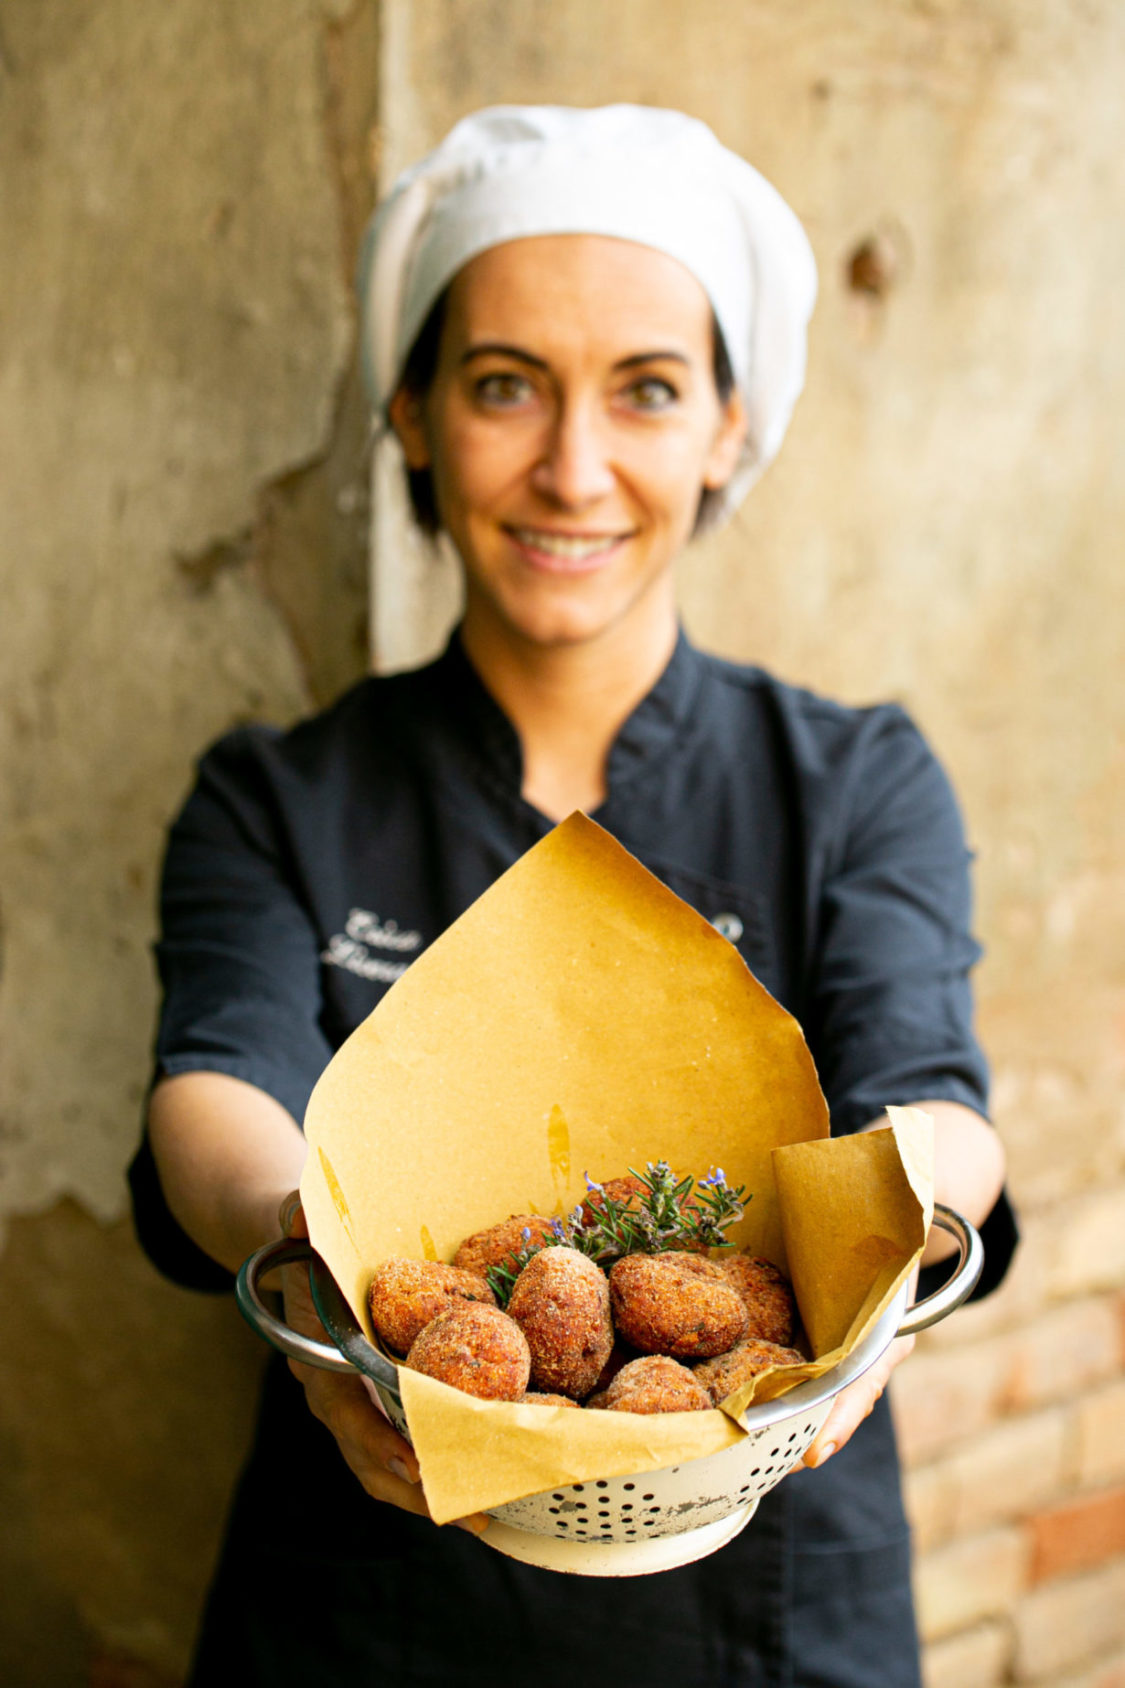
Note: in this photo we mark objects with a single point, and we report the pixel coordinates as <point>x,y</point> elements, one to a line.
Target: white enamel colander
<point>651,1520</point>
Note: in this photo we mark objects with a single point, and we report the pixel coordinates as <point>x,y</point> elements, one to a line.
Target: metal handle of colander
<point>288,1252</point>
<point>960,1286</point>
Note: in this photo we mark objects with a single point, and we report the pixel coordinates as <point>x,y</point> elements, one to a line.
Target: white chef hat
<point>636,173</point>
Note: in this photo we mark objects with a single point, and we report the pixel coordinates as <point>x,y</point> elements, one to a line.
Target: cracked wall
<point>183,521</point>
<point>183,546</point>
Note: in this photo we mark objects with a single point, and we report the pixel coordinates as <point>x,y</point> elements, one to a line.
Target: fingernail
<point>475,1526</point>
<point>288,1211</point>
<point>398,1468</point>
<point>825,1453</point>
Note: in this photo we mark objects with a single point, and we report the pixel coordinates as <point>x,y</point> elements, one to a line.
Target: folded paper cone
<point>580,1018</point>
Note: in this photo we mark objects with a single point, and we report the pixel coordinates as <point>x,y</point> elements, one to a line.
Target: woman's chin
<point>544,612</point>
<point>561,632</point>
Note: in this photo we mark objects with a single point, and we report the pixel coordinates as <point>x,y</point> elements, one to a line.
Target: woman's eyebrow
<point>651,357</point>
<point>498,348</point>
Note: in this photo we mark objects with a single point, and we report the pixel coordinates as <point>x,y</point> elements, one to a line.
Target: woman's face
<point>571,426</point>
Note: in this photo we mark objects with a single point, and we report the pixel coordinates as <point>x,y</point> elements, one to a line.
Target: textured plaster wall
<point>183,520</point>
<point>183,545</point>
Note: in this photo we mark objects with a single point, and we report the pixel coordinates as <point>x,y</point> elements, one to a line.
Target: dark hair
<point>419,371</point>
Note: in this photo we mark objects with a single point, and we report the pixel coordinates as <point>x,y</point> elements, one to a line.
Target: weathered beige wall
<point>183,523</point>
<point>183,545</point>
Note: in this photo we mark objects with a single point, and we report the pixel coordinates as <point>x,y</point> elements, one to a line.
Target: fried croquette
<point>654,1384</point>
<point>677,1304</point>
<point>619,1357</point>
<point>475,1348</point>
<point>747,1359</point>
<point>534,1398</point>
<point>768,1296</point>
<point>561,1303</point>
<point>628,1190</point>
<point>406,1294</point>
<point>492,1247</point>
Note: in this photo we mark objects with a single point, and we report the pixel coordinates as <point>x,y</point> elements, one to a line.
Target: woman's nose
<point>575,469</point>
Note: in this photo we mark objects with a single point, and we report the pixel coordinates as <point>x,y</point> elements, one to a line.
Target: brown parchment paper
<point>855,1212</point>
<point>580,1017</point>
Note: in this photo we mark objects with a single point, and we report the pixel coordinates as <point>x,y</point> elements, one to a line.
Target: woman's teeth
<point>565,545</point>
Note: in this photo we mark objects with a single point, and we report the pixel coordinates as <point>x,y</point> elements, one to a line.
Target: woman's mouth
<point>566,552</point>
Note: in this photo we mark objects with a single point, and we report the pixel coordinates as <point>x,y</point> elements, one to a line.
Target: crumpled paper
<point>581,1018</point>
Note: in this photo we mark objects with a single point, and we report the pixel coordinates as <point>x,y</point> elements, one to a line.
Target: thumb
<point>291,1216</point>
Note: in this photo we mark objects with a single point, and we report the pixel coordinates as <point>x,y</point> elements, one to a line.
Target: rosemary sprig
<point>502,1278</point>
<point>663,1215</point>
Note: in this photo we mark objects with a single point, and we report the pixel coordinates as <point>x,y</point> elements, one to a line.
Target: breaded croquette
<point>406,1294</point>
<point>619,1356</point>
<point>747,1359</point>
<point>653,1384</point>
<point>768,1296</point>
<point>534,1398</point>
<point>492,1247</point>
<point>561,1303</point>
<point>677,1304</point>
<point>477,1349</point>
<point>627,1189</point>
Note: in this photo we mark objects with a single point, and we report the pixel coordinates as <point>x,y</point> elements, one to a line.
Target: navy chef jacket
<point>306,871</point>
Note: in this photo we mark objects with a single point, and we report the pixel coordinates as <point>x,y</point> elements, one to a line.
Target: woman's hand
<point>968,1175</point>
<point>382,1460</point>
<point>853,1404</point>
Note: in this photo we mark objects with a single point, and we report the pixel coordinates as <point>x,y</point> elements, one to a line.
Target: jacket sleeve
<point>239,963</point>
<point>891,1009</point>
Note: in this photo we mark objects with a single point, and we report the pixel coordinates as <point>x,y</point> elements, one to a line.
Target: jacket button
<point>729,926</point>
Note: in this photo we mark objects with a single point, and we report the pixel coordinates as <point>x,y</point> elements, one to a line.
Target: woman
<point>587,330</point>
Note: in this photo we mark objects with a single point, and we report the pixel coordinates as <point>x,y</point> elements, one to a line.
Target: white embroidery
<point>351,949</point>
<point>365,928</point>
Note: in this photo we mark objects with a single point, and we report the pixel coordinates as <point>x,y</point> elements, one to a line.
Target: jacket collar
<point>646,737</point>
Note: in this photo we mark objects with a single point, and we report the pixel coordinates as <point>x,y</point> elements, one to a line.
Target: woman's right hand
<point>382,1460</point>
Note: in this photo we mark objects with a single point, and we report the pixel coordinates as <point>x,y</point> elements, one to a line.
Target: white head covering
<point>633,172</point>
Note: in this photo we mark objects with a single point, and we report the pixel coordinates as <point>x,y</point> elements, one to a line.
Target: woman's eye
<point>503,389</point>
<point>652,393</point>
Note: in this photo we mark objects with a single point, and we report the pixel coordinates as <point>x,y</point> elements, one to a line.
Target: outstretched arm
<point>229,1158</point>
<point>968,1176</point>
<point>969,1165</point>
<point>227,1154</point>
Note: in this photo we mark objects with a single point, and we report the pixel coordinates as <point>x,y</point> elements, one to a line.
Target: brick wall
<point>1012,1423</point>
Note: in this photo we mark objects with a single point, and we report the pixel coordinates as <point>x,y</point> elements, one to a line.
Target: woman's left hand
<point>853,1404</point>
<point>969,1175</point>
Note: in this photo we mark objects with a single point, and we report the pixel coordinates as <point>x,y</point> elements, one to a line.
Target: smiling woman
<point>570,426</point>
<point>587,330</point>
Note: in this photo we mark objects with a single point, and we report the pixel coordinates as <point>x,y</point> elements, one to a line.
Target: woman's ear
<point>727,444</point>
<point>407,416</point>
